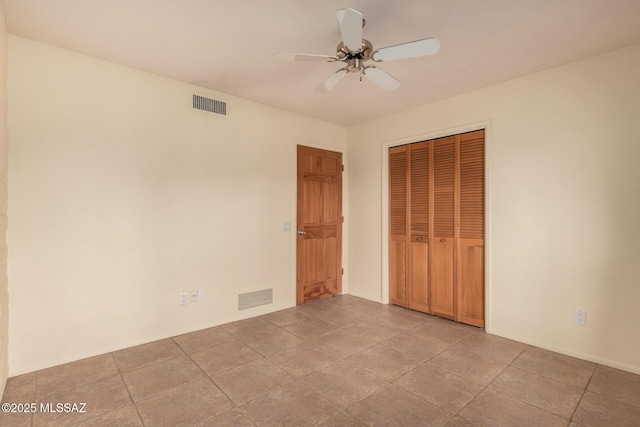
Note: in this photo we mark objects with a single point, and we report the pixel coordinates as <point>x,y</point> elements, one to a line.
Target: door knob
<point>302,232</point>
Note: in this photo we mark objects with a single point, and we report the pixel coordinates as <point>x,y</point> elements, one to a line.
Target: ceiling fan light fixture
<point>354,65</point>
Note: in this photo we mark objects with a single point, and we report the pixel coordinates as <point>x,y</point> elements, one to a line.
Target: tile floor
<point>343,361</point>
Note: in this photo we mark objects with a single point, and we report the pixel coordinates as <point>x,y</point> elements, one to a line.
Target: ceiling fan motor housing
<point>354,59</point>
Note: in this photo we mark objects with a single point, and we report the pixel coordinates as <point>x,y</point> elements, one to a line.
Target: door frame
<point>294,222</point>
<point>486,125</point>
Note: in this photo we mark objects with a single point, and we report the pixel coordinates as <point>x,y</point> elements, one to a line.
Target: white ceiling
<point>228,45</point>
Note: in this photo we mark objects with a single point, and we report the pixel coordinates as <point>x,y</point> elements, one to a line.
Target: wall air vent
<point>208,104</point>
<point>255,299</point>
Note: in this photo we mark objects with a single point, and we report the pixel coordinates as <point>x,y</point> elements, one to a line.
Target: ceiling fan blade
<point>332,81</point>
<point>350,22</point>
<point>283,56</point>
<point>407,50</point>
<point>382,78</point>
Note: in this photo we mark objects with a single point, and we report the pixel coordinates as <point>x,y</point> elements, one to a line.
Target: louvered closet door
<point>398,225</point>
<point>419,191</point>
<point>436,239</point>
<point>443,241</point>
<point>470,271</point>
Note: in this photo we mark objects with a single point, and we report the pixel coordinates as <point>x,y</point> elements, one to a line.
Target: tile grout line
<point>586,387</point>
<point>262,356</point>
<point>126,386</point>
<point>373,344</point>
<point>211,379</point>
<point>391,383</point>
<point>491,382</point>
<point>548,378</point>
<point>542,376</point>
<point>426,363</point>
<point>295,379</point>
<point>184,353</point>
<point>77,386</point>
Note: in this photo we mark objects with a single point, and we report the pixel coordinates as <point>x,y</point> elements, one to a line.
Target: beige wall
<point>122,196</point>
<point>563,203</point>
<point>4,146</point>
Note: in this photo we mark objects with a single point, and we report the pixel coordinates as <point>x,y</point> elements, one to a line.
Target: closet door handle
<point>302,232</point>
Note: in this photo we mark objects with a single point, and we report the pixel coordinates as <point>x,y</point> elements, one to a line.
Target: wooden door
<point>470,250</point>
<point>398,225</point>
<point>443,214</point>
<point>319,221</point>
<point>419,191</point>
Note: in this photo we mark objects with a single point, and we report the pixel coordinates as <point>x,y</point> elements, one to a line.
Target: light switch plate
<point>286,226</point>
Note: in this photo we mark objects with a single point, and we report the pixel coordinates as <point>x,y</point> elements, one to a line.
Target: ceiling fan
<point>354,51</point>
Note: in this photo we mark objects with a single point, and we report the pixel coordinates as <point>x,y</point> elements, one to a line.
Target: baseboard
<point>569,352</point>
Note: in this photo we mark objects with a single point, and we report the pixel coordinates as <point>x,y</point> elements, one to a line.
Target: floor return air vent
<point>255,299</point>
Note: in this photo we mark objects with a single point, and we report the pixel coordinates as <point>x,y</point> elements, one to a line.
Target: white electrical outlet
<point>580,317</point>
<point>184,298</point>
<point>193,295</point>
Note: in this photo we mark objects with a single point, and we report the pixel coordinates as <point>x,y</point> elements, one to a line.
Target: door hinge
<point>342,168</point>
<point>343,271</point>
<point>342,218</point>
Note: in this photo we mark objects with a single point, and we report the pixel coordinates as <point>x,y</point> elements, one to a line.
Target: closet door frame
<point>385,146</point>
